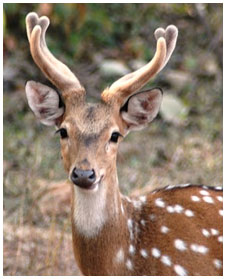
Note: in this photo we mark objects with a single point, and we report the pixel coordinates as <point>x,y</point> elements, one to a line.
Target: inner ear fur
<point>141,108</point>
<point>45,102</point>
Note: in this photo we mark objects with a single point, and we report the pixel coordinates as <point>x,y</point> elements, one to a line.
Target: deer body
<point>163,233</point>
<point>171,231</point>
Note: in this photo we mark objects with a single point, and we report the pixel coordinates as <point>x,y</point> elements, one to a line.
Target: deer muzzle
<point>84,178</point>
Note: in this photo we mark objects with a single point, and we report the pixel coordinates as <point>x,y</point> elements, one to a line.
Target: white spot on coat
<point>129,264</point>
<point>199,248</point>
<point>195,198</point>
<point>220,238</point>
<point>208,199</point>
<point>119,256</point>
<point>204,193</point>
<point>143,253</point>
<point>180,244</point>
<point>220,198</point>
<point>178,208</point>
<point>180,270</point>
<point>159,202</point>
<point>130,227</point>
<point>137,229</point>
<point>166,260</point>
<point>217,263</point>
<point>164,229</point>
<point>221,212</point>
<point>170,209</point>
<point>142,222</point>
<point>131,249</point>
<point>189,213</point>
<point>214,231</point>
<point>155,252</point>
<point>205,233</point>
<point>130,223</point>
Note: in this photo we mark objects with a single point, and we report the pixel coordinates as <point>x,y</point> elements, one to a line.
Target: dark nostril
<point>92,176</point>
<point>74,173</point>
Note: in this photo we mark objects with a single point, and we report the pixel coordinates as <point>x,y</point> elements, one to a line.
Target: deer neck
<point>103,224</point>
<point>92,211</point>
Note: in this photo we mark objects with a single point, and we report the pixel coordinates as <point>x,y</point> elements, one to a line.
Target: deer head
<point>90,133</point>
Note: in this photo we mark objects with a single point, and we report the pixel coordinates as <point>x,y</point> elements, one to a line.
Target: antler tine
<point>57,72</point>
<point>170,34</point>
<point>130,83</point>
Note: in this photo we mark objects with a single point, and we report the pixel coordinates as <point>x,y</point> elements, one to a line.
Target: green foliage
<point>4,22</point>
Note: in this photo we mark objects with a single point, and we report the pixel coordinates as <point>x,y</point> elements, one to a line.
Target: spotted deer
<point>175,230</point>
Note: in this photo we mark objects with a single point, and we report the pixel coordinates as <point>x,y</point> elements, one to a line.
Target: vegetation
<point>184,144</point>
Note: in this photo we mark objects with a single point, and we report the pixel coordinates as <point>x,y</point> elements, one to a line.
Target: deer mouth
<point>84,185</point>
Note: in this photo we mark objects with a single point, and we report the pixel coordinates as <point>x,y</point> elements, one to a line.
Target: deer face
<point>90,133</point>
<point>89,141</point>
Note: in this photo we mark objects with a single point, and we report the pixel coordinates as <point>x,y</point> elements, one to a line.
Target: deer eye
<point>115,136</point>
<point>63,133</point>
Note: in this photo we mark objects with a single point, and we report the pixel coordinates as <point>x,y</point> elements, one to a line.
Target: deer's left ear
<point>141,108</point>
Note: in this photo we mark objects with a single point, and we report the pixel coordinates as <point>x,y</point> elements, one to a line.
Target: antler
<point>57,72</point>
<point>130,83</point>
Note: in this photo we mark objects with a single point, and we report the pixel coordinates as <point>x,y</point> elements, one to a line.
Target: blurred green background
<point>100,43</point>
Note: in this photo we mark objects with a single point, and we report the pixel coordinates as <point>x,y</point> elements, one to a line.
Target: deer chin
<point>92,188</point>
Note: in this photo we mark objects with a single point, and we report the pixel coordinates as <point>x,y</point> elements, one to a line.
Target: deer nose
<point>83,178</point>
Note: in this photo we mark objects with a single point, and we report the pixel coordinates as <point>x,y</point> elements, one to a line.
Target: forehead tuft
<point>89,118</point>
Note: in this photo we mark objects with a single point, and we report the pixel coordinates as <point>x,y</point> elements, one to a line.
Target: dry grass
<point>30,250</point>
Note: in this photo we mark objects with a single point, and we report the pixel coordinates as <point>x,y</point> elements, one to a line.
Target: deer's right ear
<point>44,102</point>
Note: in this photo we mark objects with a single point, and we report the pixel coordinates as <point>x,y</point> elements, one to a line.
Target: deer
<point>173,230</point>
